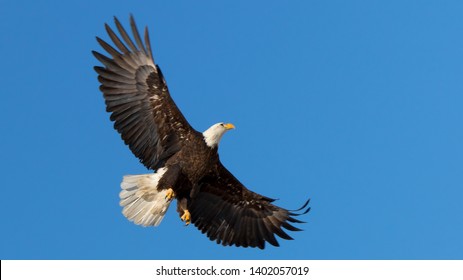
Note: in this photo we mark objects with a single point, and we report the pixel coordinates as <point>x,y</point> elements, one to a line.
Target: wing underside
<point>230,214</point>
<point>137,97</point>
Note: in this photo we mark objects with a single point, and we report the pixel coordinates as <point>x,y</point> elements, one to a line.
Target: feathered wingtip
<point>287,224</point>
<point>304,209</point>
<point>125,45</point>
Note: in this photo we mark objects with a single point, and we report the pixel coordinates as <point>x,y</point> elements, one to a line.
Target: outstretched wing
<point>137,96</point>
<point>226,211</point>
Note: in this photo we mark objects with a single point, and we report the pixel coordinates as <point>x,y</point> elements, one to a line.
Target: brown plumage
<point>185,161</point>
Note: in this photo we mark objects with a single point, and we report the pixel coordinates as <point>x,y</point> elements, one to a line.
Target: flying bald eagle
<point>185,162</point>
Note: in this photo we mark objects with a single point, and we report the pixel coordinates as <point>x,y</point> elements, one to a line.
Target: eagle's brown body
<point>187,167</point>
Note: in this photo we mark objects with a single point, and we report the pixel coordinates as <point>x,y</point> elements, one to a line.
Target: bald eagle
<point>185,162</point>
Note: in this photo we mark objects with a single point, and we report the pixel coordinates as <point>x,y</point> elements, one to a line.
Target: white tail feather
<point>143,203</point>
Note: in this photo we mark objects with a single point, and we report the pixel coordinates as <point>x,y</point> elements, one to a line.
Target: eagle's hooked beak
<point>229,126</point>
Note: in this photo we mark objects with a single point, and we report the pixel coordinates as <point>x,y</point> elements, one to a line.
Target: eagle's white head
<point>214,133</point>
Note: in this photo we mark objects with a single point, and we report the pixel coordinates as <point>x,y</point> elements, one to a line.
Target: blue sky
<point>356,104</point>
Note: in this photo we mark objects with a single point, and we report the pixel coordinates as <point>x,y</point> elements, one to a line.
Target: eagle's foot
<point>186,217</point>
<point>170,194</point>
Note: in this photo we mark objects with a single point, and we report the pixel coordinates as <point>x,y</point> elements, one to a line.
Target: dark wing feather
<point>229,213</point>
<point>137,96</point>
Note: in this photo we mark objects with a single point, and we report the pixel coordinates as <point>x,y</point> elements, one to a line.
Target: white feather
<point>141,200</point>
<point>213,134</point>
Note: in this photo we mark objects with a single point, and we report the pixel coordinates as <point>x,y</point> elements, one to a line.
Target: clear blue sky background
<point>356,104</point>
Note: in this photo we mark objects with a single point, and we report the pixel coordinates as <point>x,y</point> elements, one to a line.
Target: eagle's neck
<point>213,135</point>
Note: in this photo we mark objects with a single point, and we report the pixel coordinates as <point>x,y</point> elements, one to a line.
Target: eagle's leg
<point>183,211</point>
<point>169,180</point>
<point>186,217</point>
<point>170,194</point>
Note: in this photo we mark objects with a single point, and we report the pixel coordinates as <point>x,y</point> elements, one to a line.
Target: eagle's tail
<point>143,203</point>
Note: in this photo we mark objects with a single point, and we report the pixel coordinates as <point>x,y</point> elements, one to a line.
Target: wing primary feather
<point>136,35</point>
<point>104,59</point>
<point>266,234</point>
<point>148,44</point>
<point>112,75</point>
<point>283,234</point>
<point>274,227</point>
<point>108,47</point>
<point>114,91</point>
<point>299,214</point>
<point>303,206</point>
<point>111,65</point>
<point>124,35</point>
<point>117,84</point>
<point>290,227</point>
<point>116,39</point>
<point>292,220</point>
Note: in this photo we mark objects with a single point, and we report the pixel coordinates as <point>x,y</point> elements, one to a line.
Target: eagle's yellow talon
<point>186,217</point>
<point>170,194</point>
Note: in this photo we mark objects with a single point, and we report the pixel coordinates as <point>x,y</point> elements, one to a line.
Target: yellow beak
<point>229,126</point>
